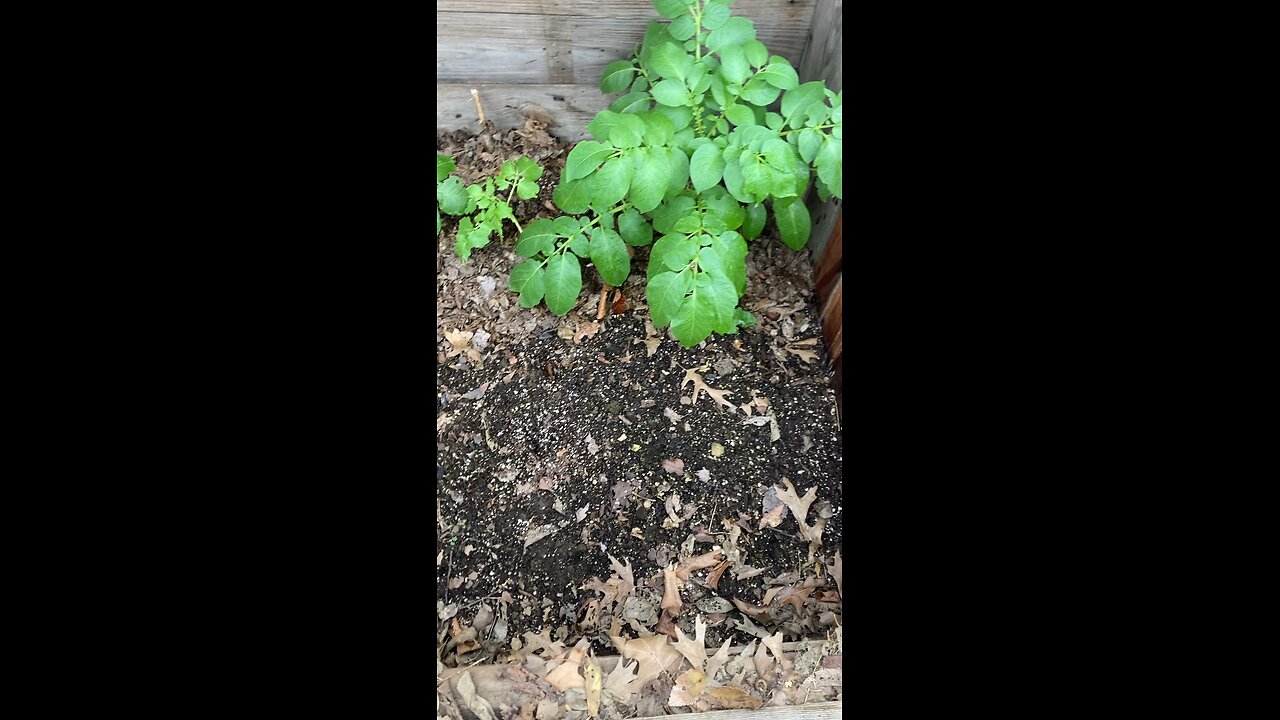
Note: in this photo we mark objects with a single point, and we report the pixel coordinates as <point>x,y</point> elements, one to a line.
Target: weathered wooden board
<point>823,60</point>
<point>495,47</point>
<point>558,41</point>
<point>570,106</point>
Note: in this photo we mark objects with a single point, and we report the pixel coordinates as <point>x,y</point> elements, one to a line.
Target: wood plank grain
<point>497,47</point>
<point>558,41</point>
<point>747,8</point>
<point>571,106</point>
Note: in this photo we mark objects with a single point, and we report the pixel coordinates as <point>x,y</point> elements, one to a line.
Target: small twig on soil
<point>604,297</point>
<point>448,575</point>
<point>479,108</point>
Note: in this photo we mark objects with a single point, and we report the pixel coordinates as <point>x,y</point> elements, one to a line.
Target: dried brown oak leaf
<point>595,684</point>
<point>694,650</point>
<point>466,689</point>
<point>731,697</point>
<point>459,341</point>
<point>759,613</point>
<point>688,687</point>
<point>692,376</point>
<point>621,682</point>
<point>773,518</point>
<point>799,506</point>
<point>774,643</point>
<point>542,641</point>
<point>694,564</point>
<point>718,660</point>
<point>714,578</point>
<point>566,674</point>
<point>585,330</point>
<point>671,590</point>
<point>806,355</point>
<point>655,656</point>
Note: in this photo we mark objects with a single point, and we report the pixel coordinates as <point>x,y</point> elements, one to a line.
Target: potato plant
<point>693,152</point>
<point>484,199</point>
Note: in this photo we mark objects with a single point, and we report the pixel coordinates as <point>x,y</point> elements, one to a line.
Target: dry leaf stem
<point>604,297</point>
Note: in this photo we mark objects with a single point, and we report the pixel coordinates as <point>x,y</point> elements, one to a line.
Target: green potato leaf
<point>539,236</point>
<point>740,115</point>
<point>672,9</point>
<point>671,61</point>
<point>753,223</point>
<point>650,178</point>
<point>733,65</point>
<point>563,283</point>
<point>671,92</point>
<point>706,167</point>
<point>829,165</point>
<point>810,143</point>
<point>610,183</point>
<point>609,253</point>
<point>631,103</point>
<point>759,92</point>
<point>665,292</point>
<point>666,214</point>
<point>444,166</point>
<point>780,74</point>
<point>683,27</point>
<point>715,14</point>
<point>528,278</point>
<point>734,31</point>
<point>635,230</point>
<point>793,222</point>
<point>452,196</point>
<point>573,196</point>
<point>617,76</point>
<point>708,309</point>
<point>794,101</point>
<point>585,158</point>
<point>679,165</point>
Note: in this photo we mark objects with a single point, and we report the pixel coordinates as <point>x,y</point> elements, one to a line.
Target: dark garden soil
<point>564,442</point>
